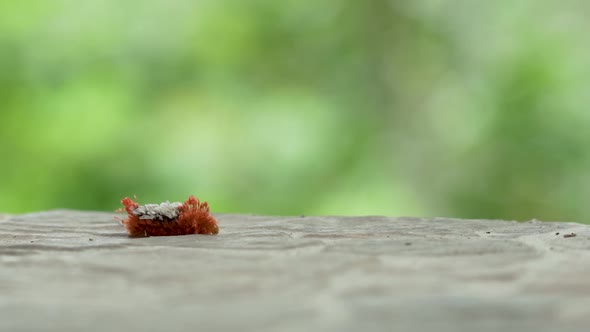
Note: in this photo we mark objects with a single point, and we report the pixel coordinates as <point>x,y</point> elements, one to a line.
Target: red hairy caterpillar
<point>190,217</point>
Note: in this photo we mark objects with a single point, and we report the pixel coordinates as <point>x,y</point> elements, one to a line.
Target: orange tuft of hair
<point>194,217</point>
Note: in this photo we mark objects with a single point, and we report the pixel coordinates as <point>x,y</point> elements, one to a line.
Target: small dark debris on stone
<point>302,216</point>
<point>557,233</point>
<point>90,239</point>
<point>570,235</point>
<point>408,243</point>
<point>487,232</point>
<point>32,241</point>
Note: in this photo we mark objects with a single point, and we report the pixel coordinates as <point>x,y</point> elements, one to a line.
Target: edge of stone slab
<point>6,216</point>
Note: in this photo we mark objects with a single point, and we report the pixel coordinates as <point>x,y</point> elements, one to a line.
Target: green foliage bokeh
<point>473,109</point>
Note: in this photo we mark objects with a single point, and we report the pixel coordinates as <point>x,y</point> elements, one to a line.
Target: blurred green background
<point>469,108</point>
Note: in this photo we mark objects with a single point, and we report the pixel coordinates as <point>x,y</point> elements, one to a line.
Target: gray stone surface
<point>78,271</point>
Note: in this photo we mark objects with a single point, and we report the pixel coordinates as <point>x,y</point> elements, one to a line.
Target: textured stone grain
<point>72,271</point>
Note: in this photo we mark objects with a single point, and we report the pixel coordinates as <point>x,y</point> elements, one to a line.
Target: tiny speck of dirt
<point>302,216</point>
<point>570,235</point>
<point>487,232</point>
<point>557,233</point>
<point>408,243</point>
<point>32,241</point>
<point>90,239</point>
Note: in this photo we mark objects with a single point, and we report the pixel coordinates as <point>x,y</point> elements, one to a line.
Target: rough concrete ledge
<point>73,271</point>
